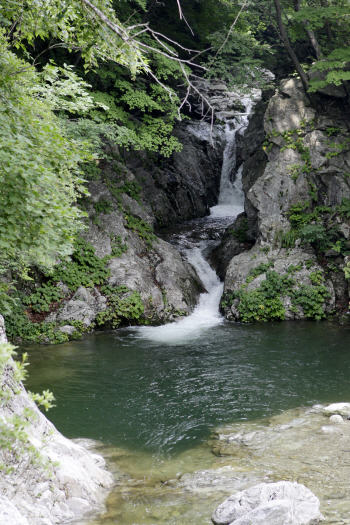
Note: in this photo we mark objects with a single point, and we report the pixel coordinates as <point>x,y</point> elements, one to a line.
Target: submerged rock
<point>270,504</point>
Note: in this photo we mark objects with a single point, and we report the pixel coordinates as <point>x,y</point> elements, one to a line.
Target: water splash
<point>205,315</point>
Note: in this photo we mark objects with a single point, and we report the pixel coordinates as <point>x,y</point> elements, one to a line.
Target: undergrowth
<point>265,303</point>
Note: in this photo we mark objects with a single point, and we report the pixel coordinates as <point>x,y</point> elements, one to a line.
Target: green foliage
<point>7,303</point>
<point>265,302</point>
<point>142,228</point>
<point>291,270</point>
<point>103,206</point>
<point>84,268</point>
<point>43,296</point>
<point>344,208</point>
<point>123,304</point>
<point>241,232</point>
<point>309,227</point>
<point>259,270</point>
<point>76,27</point>
<point>118,247</point>
<point>39,173</point>
<point>347,271</point>
<point>18,453</point>
<point>132,189</point>
<point>311,299</point>
<point>317,234</point>
<point>288,238</point>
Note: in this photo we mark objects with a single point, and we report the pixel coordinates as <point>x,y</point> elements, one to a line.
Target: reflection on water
<point>155,406</point>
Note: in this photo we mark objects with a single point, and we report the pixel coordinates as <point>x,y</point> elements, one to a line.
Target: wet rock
<point>233,243</point>
<point>344,319</point>
<point>270,504</point>
<point>343,409</point>
<point>185,185</point>
<point>336,420</point>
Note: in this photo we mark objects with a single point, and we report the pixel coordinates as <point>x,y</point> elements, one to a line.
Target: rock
<point>3,338</point>
<point>230,246</point>
<point>282,259</point>
<point>9,515</point>
<point>270,504</point>
<point>344,319</point>
<point>77,484</point>
<point>67,329</point>
<point>185,185</point>
<point>331,89</point>
<point>345,229</point>
<point>343,409</point>
<point>272,188</point>
<point>336,420</point>
<point>84,306</point>
<point>331,253</point>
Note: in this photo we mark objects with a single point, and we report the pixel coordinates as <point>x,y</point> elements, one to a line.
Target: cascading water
<point>231,201</point>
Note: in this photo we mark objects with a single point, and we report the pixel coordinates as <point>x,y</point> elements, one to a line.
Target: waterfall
<point>231,196</point>
<point>231,202</point>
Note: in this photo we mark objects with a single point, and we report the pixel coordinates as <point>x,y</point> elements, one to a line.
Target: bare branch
<point>182,16</point>
<point>231,28</point>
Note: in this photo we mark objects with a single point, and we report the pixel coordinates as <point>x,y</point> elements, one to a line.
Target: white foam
<point>206,314</point>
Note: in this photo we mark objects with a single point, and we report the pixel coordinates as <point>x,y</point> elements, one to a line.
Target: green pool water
<point>125,389</point>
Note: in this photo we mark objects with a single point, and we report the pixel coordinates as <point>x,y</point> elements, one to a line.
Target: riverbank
<point>46,478</point>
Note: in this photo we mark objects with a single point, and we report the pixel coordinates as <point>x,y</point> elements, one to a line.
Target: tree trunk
<point>327,26</point>
<point>288,46</point>
<point>309,32</point>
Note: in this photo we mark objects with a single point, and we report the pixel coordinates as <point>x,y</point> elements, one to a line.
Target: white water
<point>231,196</point>
<point>206,313</point>
<point>231,202</point>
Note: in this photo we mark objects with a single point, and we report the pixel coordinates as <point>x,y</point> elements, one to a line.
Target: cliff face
<point>32,495</point>
<point>296,206</point>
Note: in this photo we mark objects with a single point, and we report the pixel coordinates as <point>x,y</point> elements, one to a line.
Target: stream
<point>190,412</point>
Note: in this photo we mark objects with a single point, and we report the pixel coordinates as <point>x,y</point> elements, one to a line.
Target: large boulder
<point>270,504</point>
<point>296,263</point>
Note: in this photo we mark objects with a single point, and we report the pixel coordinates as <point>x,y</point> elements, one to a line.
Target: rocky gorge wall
<point>121,272</point>
<point>296,205</point>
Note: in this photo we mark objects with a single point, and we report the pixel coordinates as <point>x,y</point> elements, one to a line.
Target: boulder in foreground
<point>282,503</point>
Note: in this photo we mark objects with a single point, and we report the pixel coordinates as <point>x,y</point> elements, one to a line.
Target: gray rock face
<point>229,247</point>
<point>185,185</point>
<point>270,504</point>
<point>275,184</point>
<point>169,287</point>
<point>32,496</point>
<point>84,306</point>
<point>9,515</point>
